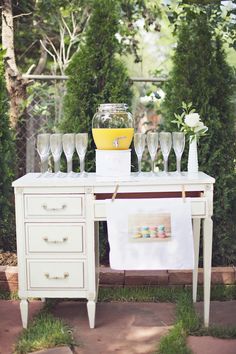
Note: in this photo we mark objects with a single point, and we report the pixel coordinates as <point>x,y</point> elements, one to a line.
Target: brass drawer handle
<point>45,207</point>
<point>64,276</point>
<point>55,241</point>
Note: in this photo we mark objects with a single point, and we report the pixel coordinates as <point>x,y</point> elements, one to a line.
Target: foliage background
<point>7,220</point>
<point>201,75</point>
<point>96,75</point>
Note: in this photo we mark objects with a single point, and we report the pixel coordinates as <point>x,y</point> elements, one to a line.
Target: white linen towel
<point>150,234</point>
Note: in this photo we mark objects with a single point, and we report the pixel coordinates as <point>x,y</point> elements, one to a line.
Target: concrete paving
<point>124,328</point>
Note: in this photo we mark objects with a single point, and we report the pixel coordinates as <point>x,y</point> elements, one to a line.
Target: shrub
<point>95,73</point>
<point>7,222</point>
<point>202,76</point>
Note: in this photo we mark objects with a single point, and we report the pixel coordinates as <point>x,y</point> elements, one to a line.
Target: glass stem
<point>69,166</point>
<point>44,166</point>
<point>82,166</point>
<point>178,165</point>
<point>139,165</point>
<point>153,166</point>
<point>166,165</point>
<point>57,166</point>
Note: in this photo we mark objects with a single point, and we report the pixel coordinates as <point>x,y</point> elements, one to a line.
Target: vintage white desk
<point>57,230</point>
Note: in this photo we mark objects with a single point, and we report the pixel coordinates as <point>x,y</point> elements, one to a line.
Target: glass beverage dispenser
<point>113,127</point>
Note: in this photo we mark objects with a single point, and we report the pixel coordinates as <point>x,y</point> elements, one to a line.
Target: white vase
<point>193,156</point>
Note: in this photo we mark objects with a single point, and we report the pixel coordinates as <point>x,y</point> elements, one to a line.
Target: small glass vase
<point>192,155</point>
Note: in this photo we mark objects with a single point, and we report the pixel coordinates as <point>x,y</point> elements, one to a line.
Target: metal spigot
<point>115,142</point>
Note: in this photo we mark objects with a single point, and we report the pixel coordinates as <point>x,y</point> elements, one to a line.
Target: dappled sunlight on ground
<point>124,328</point>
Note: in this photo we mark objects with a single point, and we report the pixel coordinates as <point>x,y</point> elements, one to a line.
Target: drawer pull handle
<point>55,241</point>
<point>45,207</point>
<point>64,276</point>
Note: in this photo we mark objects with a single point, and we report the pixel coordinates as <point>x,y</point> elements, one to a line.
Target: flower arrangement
<point>190,122</point>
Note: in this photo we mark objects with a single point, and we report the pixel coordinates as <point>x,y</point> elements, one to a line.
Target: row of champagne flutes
<point>56,144</point>
<point>166,139</point>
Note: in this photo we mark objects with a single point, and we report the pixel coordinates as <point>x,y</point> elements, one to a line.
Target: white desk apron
<point>57,230</point>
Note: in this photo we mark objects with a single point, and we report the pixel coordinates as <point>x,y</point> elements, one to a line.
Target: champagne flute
<point>81,143</point>
<point>139,146</point>
<point>68,143</point>
<point>56,149</point>
<point>178,145</point>
<point>152,143</point>
<point>165,142</point>
<point>43,149</point>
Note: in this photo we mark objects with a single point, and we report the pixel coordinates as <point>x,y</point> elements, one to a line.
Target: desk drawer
<point>198,208</point>
<point>55,274</point>
<point>54,206</point>
<point>55,237</point>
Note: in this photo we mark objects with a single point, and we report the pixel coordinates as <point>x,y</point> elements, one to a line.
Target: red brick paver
<point>124,328</point>
<point>10,322</point>
<point>210,345</point>
<point>57,350</point>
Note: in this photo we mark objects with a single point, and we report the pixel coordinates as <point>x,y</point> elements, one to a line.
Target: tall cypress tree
<point>202,76</point>
<point>7,223</point>
<point>95,73</point>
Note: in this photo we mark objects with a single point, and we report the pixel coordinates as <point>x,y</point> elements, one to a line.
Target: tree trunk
<point>16,85</point>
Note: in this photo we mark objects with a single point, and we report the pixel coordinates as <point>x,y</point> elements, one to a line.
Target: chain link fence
<point>45,110</point>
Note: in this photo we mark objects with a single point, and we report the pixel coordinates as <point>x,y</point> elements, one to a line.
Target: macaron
<point>144,227</point>
<point>161,227</point>
<point>161,234</point>
<point>138,235</point>
<point>153,234</point>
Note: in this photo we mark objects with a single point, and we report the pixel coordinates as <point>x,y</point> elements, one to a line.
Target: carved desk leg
<point>207,255</point>
<point>207,252</point>
<point>90,237</point>
<point>196,240</point>
<point>91,308</point>
<point>24,309</point>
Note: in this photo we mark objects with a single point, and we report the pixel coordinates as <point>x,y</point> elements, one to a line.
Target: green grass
<point>7,295</point>
<point>188,322</point>
<point>141,294</point>
<point>45,331</point>
<point>186,314</point>
<point>161,294</point>
<point>174,342</point>
<point>228,332</point>
<point>149,293</point>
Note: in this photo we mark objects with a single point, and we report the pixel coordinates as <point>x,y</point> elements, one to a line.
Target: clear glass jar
<point>113,127</point>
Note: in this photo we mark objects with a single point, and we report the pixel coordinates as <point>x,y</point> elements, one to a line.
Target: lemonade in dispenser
<point>113,127</point>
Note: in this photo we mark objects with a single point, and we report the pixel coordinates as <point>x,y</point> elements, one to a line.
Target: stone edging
<point>110,277</point>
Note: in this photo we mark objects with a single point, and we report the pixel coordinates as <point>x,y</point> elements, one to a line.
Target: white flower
<point>153,97</point>
<point>126,41</point>
<point>118,37</point>
<point>200,127</point>
<point>192,120</point>
<point>145,99</point>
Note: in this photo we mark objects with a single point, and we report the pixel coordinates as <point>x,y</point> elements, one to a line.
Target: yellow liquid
<point>108,138</point>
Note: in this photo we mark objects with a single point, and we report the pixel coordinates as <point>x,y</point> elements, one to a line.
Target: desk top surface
<point>75,180</point>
